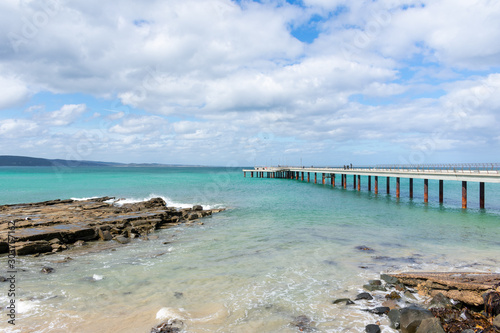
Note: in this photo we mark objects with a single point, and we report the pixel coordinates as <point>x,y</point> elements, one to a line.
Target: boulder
<point>411,317</point>
<point>197,208</point>
<point>395,318</point>
<point>440,301</point>
<point>366,296</point>
<point>372,328</point>
<point>430,325</point>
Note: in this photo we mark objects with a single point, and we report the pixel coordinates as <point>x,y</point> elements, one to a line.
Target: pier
<point>465,173</point>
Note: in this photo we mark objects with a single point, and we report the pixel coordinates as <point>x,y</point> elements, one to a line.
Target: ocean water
<point>283,249</point>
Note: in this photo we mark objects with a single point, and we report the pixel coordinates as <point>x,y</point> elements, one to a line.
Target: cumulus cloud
<point>66,115</point>
<point>194,75</point>
<point>14,92</point>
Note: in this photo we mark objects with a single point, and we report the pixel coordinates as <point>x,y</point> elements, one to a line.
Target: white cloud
<point>14,92</point>
<point>232,78</point>
<point>17,128</point>
<point>140,125</point>
<point>66,115</point>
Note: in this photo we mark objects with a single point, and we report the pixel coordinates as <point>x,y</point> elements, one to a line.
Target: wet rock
<point>374,287</point>
<point>440,301</point>
<point>79,243</point>
<point>395,318</point>
<point>389,279</point>
<point>303,323</point>
<point>381,310</point>
<point>411,317</point>
<point>67,221</point>
<point>170,326</point>
<point>409,295</point>
<point>122,239</point>
<point>346,301</point>
<point>372,328</point>
<point>47,270</point>
<point>24,248</point>
<point>366,296</point>
<point>197,208</point>
<point>178,294</point>
<point>430,325</point>
<point>2,279</point>
<point>104,235</point>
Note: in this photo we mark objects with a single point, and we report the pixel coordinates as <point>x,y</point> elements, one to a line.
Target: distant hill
<point>13,161</point>
<point>7,160</point>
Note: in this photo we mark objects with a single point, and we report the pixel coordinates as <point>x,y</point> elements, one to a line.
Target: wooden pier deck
<point>480,173</point>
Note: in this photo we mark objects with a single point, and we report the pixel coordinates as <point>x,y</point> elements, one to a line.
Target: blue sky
<point>221,82</point>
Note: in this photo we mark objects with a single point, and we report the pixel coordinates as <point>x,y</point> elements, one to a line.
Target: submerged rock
<point>346,301</point>
<point>46,270</point>
<point>303,323</point>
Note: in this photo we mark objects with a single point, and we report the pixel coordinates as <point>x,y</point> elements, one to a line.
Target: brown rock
<point>24,248</point>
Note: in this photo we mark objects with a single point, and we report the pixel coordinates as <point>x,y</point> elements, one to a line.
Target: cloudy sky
<point>221,82</point>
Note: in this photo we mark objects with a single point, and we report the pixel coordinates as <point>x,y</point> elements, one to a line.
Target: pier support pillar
<point>296,175</point>
<point>426,190</point>
<point>398,187</point>
<point>411,188</point>
<point>481,195</point>
<point>251,174</point>
<point>332,179</point>
<point>308,177</point>
<point>464,195</point>
<point>344,181</point>
<point>376,184</point>
<point>369,183</point>
<point>244,174</point>
<point>354,181</point>
<point>441,196</point>
<point>388,185</point>
<point>324,179</point>
<point>302,176</point>
<point>315,178</point>
<point>359,182</point>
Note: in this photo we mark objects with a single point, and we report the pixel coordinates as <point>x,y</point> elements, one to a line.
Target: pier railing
<point>455,168</point>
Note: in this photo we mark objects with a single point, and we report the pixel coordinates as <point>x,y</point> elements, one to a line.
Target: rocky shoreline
<point>54,226</point>
<point>475,307</point>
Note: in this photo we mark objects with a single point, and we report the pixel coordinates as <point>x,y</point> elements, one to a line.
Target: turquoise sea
<point>283,249</point>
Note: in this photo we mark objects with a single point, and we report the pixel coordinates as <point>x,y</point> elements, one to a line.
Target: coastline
<point>56,225</point>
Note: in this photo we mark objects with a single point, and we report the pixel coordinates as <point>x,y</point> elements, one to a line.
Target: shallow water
<point>283,249</point>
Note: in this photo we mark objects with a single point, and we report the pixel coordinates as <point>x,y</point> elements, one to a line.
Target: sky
<point>244,83</point>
